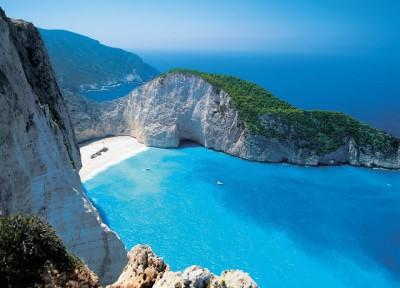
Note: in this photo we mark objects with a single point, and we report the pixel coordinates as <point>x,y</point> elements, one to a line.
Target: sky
<point>222,25</point>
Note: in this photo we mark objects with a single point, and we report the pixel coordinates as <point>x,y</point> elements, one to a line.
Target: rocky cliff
<point>236,117</point>
<point>39,156</point>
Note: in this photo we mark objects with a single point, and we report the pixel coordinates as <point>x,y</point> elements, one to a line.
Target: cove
<point>287,226</point>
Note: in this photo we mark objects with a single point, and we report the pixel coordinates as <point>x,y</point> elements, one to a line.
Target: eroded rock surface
<point>198,277</point>
<point>145,270</point>
<point>39,156</point>
<point>236,278</point>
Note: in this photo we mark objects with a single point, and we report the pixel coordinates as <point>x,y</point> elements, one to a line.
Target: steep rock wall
<point>39,156</point>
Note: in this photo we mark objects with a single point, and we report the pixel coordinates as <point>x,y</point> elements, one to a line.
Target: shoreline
<point>119,148</point>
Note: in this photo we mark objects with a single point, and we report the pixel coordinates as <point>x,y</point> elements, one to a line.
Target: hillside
<point>81,62</point>
<point>323,131</point>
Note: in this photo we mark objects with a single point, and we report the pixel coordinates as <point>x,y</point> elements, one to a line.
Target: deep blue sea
<point>288,226</point>
<point>366,86</point>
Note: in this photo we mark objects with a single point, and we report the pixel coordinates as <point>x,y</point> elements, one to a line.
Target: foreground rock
<point>236,278</point>
<point>182,105</point>
<point>198,277</point>
<point>145,270</point>
<point>32,255</point>
<point>39,156</point>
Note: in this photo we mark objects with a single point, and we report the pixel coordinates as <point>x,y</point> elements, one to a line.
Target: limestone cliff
<point>187,106</point>
<point>39,156</point>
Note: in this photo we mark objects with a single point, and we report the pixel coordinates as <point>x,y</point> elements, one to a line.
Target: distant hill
<point>84,63</point>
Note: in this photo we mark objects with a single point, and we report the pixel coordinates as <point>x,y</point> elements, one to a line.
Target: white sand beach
<point>119,149</point>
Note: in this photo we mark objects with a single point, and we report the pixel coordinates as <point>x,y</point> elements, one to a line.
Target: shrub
<point>29,246</point>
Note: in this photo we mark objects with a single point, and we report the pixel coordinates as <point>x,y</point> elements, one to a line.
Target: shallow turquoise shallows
<point>287,226</point>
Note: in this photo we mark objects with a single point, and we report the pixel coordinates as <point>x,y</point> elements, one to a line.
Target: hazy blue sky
<point>277,25</point>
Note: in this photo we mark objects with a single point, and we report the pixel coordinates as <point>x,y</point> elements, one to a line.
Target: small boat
<point>220,183</point>
<point>147,169</point>
<point>104,149</point>
<point>98,153</point>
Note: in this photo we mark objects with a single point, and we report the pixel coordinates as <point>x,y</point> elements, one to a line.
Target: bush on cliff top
<point>322,131</point>
<point>28,247</point>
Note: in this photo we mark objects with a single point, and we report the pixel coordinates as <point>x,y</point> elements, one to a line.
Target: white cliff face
<point>176,107</point>
<point>162,113</point>
<point>39,156</point>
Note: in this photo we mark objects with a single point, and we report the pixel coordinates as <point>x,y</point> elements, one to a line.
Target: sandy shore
<point>119,149</point>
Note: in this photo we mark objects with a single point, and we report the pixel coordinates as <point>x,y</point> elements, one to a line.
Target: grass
<point>321,131</point>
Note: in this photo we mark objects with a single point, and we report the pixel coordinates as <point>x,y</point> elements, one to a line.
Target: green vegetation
<point>321,131</point>
<point>28,247</point>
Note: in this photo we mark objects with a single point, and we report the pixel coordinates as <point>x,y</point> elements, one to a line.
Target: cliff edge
<point>39,156</point>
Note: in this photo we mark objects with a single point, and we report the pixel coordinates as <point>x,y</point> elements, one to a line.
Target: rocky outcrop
<point>145,270</point>
<point>198,277</point>
<point>39,156</point>
<point>181,106</point>
<point>236,278</point>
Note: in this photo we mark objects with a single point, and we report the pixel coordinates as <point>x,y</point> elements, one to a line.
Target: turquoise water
<point>288,226</point>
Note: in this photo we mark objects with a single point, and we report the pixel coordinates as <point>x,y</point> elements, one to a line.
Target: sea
<point>287,226</point>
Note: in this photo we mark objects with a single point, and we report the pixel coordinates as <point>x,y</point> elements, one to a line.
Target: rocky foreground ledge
<point>32,255</point>
<point>236,117</point>
<point>145,270</point>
